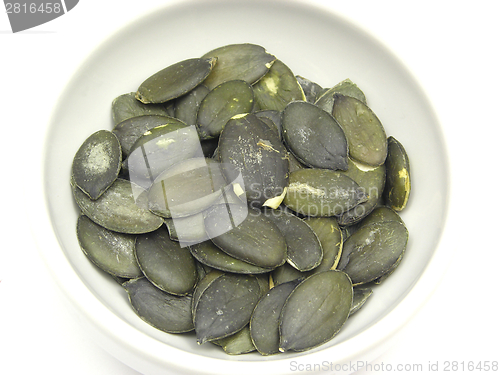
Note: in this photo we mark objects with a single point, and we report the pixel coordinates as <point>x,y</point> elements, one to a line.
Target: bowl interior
<point>315,44</point>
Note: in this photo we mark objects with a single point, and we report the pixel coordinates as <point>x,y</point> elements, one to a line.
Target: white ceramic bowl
<point>314,43</point>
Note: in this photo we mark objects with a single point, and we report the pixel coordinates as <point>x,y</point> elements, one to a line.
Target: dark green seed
<point>225,306</point>
<point>330,237</point>
<point>360,297</point>
<point>111,251</point>
<point>372,250</point>
<point>167,265</point>
<point>127,106</point>
<point>130,130</point>
<point>223,102</point>
<point>322,192</point>
<point>161,310</point>
<point>187,106</point>
<point>277,88</point>
<point>346,87</point>
<point>363,130</point>
<point>304,251</point>
<point>315,311</point>
<point>97,163</point>
<point>238,343</point>
<point>311,89</point>
<point>314,136</point>
<point>264,323</point>
<point>248,62</point>
<point>247,147</point>
<point>202,285</point>
<point>122,208</point>
<point>246,235</point>
<point>398,183</point>
<point>175,80</point>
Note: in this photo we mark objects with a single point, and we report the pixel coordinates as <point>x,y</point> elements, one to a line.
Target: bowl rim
<point>112,330</point>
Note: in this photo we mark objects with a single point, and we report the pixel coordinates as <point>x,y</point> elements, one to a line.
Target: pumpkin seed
<point>168,266</point>
<point>223,102</point>
<point>127,106</point>
<point>264,323</point>
<point>346,87</point>
<point>175,80</point>
<point>208,253</point>
<point>202,285</point>
<point>277,88</point>
<point>304,251</point>
<point>286,273</point>
<point>273,116</point>
<point>315,311</point>
<point>372,250</point>
<point>186,107</point>
<point>122,208</point>
<point>311,89</point>
<point>186,188</point>
<point>247,147</point>
<point>248,62</point>
<point>322,192</point>
<point>372,181</point>
<point>187,230</point>
<point>359,298</point>
<point>381,214</point>
<point>363,130</point>
<point>130,130</point>
<point>161,310</point>
<point>314,136</point>
<point>245,234</point>
<point>159,149</point>
<point>225,306</point>
<point>97,163</point>
<point>111,251</point>
<point>330,237</point>
<point>398,175</point>
<point>238,343</point>
<point>294,164</point>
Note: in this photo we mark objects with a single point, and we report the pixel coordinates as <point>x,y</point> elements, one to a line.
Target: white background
<point>452,47</point>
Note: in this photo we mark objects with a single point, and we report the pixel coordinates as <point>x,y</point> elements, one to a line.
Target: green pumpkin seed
<point>372,181</point>
<point>238,343</point>
<point>381,214</point>
<point>363,130</point>
<point>322,192</point>
<point>97,163</point>
<point>359,298</point>
<point>273,116</point>
<point>223,102</point>
<point>315,311</point>
<point>246,235</point>
<point>314,136</point>
<point>127,106</point>
<point>111,251</point>
<point>159,149</point>
<point>247,147</point>
<point>208,253</point>
<point>247,62</point>
<point>398,183</point>
<point>389,273</point>
<point>330,237</point>
<point>186,107</point>
<point>202,285</point>
<point>122,208</point>
<point>286,273</point>
<point>161,310</point>
<point>168,266</point>
<point>294,164</point>
<point>264,323</point>
<point>346,87</point>
<point>311,89</point>
<point>372,250</point>
<point>187,230</point>
<point>130,130</point>
<point>225,306</point>
<point>304,251</point>
<point>277,88</point>
<point>175,80</point>
<point>187,188</point>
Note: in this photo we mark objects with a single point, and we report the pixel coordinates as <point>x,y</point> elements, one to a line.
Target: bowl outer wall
<point>127,341</point>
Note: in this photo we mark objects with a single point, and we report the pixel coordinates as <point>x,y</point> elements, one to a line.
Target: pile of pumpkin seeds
<point>237,200</point>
